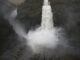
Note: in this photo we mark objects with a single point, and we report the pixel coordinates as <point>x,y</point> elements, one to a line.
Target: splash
<point>46,35</point>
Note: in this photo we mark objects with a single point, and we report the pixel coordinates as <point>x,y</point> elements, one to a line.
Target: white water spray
<point>46,35</point>
<point>17,27</point>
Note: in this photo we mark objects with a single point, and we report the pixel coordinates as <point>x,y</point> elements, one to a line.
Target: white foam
<point>40,39</point>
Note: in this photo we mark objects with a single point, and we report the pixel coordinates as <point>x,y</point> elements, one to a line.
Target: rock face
<point>5,28</point>
<point>32,12</point>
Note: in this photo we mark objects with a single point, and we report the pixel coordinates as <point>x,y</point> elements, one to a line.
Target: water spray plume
<point>43,37</point>
<point>46,35</point>
<point>17,27</point>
